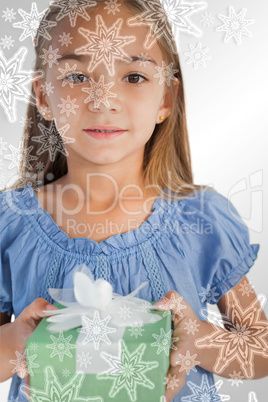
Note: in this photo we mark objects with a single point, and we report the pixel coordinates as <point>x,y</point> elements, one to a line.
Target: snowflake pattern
<point>34,346</point>
<point>53,140</point>
<point>208,294</point>
<point>24,364</point>
<point>7,42</point>
<point>191,326</point>
<point>84,359</point>
<point>243,338</point>
<point>112,6</point>
<point>9,15</point>
<point>187,362</point>
<point>205,392</point>
<point>163,342</point>
<point>62,119</point>
<point>207,19</point>
<point>13,82</point>
<point>171,381</point>
<point>99,92</point>
<point>65,72</point>
<point>68,106</point>
<point>26,122</point>
<point>158,17</point>
<point>2,146</point>
<point>50,56</point>
<point>143,59</point>
<point>136,330</point>
<point>56,392</point>
<point>47,88</point>
<point>96,330</point>
<point>174,304</point>
<point>29,181</point>
<point>246,288</point>
<point>105,44</point>
<point>125,312</point>
<point>127,371</point>
<point>234,25</point>
<point>65,39</point>
<point>197,56</point>
<point>61,346</point>
<point>73,9</point>
<point>66,373</point>
<point>15,156</point>
<point>165,73</point>
<point>40,166</point>
<point>236,378</point>
<point>34,25</point>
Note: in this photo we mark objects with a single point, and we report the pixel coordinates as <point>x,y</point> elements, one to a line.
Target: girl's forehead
<point>105,30</point>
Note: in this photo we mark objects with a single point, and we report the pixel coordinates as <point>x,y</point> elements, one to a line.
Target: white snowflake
<point>26,122</point>
<point>246,288</point>
<point>171,381</point>
<point>84,359</point>
<point>13,81</point>
<point>157,16</point>
<point>207,19</point>
<point>136,330</point>
<point>96,330</point>
<point>197,55</point>
<point>99,92</point>
<point>61,346</point>
<point>65,72</point>
<point>55,391</point>
<point>112,6</point>
<point>40,166</point>
<point>9,15</point>
<point>43,110</point>
<point>34,346</point>
<point>66,373</point>
<point>73,9</point>
<point>32,25</point>
<point>24,364</point>
<point>191,326</point>
<point>2,146</point>
<point>143,59</point>
<point>236,378</point>
<point>187,362</point>
<point>174,304</point>
<point>68,106</point>
<point>125,312</point>
<point>65,39</point>
<point>163,342</point>
<point>29,181</point>
<point>208,294</point>
<point>7,42</point>
<point>50,56</point>
<point>127,371</point>
<point>105,44</point>
<point>165,73</point>
<point>53,140</point>
<point>145,307</point>
<point>47,88</point>
<point>234,25</point>
<point>62,119</point>
<point>252,397</point>
<point>205,392</point>
<point>19,154</point>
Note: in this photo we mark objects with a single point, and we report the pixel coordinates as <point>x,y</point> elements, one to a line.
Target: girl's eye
<point>76,78</point>
<point>134,78</point>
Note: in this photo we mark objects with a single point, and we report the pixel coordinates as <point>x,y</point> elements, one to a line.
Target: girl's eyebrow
<point>84,58</point>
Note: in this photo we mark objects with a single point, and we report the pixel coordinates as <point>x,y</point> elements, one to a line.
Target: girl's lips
<point>104,136</point>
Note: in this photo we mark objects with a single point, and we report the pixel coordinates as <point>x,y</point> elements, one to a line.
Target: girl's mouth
<point>104,134</point>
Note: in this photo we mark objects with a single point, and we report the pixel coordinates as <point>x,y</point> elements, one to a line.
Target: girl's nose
<point>103,98</point>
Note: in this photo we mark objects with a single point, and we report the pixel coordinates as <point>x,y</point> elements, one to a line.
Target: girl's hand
<point>183,352</point>
<point>21,329</point>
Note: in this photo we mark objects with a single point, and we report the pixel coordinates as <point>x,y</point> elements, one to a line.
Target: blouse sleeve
<point>221,247</point>
<point>10,225</point>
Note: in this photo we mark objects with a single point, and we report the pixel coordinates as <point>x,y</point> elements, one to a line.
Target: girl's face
<point>93,86</point>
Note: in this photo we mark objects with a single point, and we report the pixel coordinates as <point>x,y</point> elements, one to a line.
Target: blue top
<point>198,246</point>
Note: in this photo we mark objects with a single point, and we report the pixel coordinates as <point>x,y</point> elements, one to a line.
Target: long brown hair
<point>167,159</point>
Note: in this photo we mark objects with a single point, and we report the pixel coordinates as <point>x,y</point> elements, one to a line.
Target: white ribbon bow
<point>89,295</point>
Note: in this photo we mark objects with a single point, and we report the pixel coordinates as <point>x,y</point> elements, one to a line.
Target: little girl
<point>116,192</point>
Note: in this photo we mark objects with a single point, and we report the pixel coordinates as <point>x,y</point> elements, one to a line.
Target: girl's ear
<point>42,103</point>
<point>165,108</point>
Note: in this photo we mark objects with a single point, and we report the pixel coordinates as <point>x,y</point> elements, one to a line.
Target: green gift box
<point>99,362</point>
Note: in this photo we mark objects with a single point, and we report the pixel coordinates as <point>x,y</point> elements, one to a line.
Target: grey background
<point>228,125</point>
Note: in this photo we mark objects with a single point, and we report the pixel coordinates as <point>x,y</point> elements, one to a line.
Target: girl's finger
<point>174,382</point>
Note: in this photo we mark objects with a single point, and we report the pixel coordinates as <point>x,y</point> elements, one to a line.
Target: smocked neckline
<point>116,243</point>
